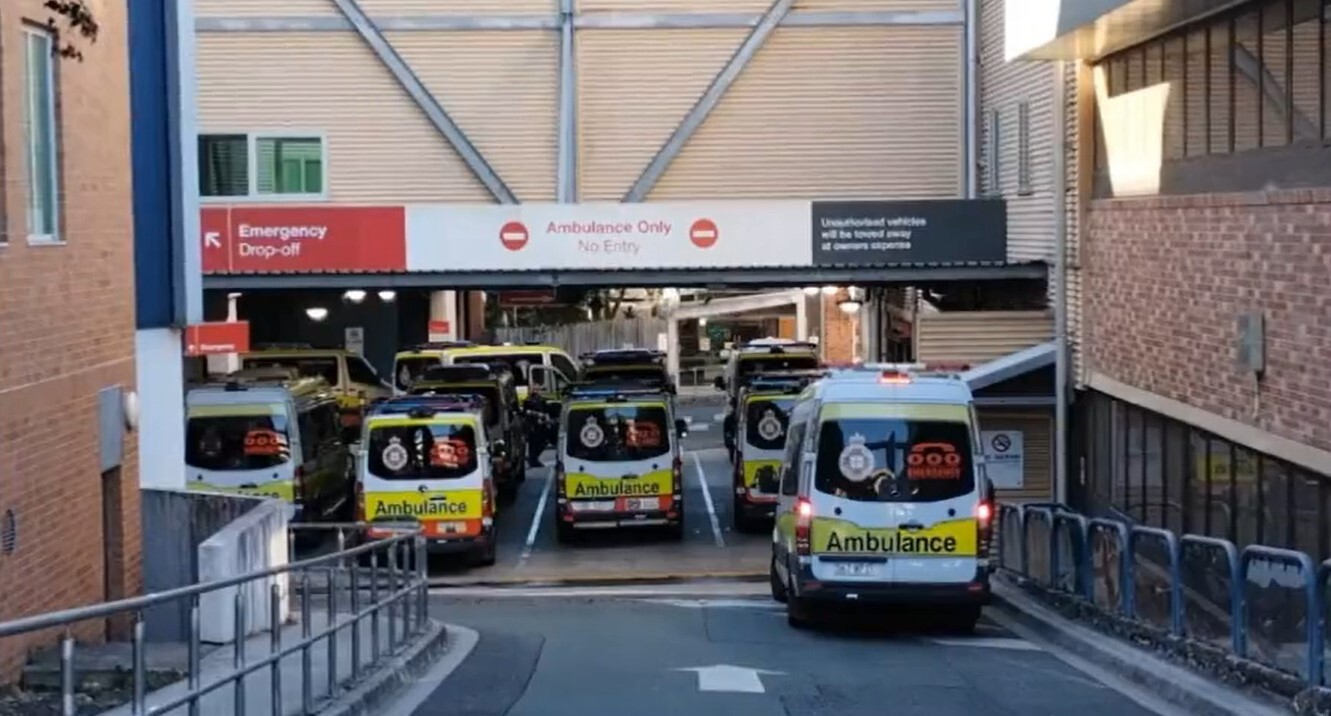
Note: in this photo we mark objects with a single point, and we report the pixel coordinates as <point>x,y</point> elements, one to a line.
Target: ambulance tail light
<point>677,476</point>
<point>487,502</point>
<point>984,527</point>
<point>559,480</point>
<point>360,501</point>
<point>298,483</point>
<point>894,377</point>
<point>803,526</point>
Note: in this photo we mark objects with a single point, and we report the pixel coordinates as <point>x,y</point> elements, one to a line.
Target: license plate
<point>449,528</point>
<point>641,504</point>
<point>856,569</point>
<point>594,506</point>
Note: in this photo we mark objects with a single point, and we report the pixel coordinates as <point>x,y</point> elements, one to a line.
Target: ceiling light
<point>810,290</point>
<point>387,296</point>
<point>830,290</point>
<point>354,295</point>
<point>702,321</point>
<point>318,313</point>
<point>849,307</point>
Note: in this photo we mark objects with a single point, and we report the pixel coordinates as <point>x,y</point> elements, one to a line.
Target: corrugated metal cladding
<point>499,87</point>
<point>1005,87</point>
<point>325,8</point>
<point>819,112</point>
<point>1037,429</point>
<point>979,336</point>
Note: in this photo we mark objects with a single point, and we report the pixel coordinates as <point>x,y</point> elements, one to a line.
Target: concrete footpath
<point>401,663</point>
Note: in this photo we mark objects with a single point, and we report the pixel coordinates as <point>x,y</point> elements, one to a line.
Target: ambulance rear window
<point>237,442</point>
<point>410,369</point>
<point>325,368</point>
<point>893,460</point>
<point>620,433</point>
<point>422,451</point>
<point>516,363</point>
<point>766,421</point>
<point>768,363</point>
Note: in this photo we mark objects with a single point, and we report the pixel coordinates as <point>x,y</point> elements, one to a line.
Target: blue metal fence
<point>1263,604</point>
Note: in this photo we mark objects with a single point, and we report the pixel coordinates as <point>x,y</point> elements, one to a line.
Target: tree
<point>80,23</point>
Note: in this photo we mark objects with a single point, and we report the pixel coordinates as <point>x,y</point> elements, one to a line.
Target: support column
<point>443,316</point>
<point>802,318</point>
<point>672,349</point>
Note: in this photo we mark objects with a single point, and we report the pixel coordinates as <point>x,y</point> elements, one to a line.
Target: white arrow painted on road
<point>724,677</point>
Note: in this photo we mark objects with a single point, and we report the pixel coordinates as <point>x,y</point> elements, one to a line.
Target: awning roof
<point>1092,29</point>
<point>1011,365</point>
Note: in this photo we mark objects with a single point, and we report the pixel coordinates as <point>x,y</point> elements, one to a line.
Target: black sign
<point>909,232</point>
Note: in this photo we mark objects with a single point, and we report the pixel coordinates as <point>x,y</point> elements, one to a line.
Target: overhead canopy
<point>1092,29</point>
<point>1024,378</point>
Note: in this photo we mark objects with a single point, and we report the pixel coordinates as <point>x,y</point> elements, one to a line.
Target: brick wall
<point>1166,279</point>
<point>838,338</point>
<point>66,331</point>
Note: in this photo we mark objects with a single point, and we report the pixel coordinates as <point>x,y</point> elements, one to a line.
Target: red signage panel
<point>527,298</point>
<point>215,225</point>
<point>217,338</point>
<point>302,239</point>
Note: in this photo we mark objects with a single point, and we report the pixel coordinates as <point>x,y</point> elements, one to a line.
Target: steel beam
<point>729,277</point>
<point>708,101</point>
<point>588,20</point>
<point>433,110</point>
<point>1252,68</point>
<point>566,184</point>
<point>739,304</point>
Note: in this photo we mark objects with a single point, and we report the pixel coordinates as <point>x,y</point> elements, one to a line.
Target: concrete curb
<point>380,688</point>
<point>1177,686</point>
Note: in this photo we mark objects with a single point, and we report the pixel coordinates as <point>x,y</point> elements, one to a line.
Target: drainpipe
<point>971,100</point>
<point>1061,368</point>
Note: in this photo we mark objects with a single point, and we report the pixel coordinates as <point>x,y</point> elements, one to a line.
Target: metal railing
<point>395,599</point>
<point>1263,605</point>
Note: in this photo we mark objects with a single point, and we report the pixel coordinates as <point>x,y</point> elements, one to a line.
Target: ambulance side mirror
<point>720,382</point>
<point>499,449</point>
<point>681,427</point>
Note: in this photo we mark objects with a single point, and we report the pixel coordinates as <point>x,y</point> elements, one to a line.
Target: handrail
<point>106,609</point>
<point>401,605</point>
<point>1236,562</point>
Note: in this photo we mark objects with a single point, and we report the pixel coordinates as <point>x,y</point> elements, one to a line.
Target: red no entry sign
<point>513,235</point>
<point>703,233</point>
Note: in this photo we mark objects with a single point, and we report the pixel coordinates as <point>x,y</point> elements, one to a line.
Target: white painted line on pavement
<point>707,498</point>
<point>536,519</point>
<point>719,417</point>
<point>734,679</point>
<point>990,643</point>
<point>700,427</point>
<point>643,593</point>
<point>462,641</point>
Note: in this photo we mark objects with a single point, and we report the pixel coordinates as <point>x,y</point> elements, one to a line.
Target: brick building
<point>69,526</point>
<point>1199,252</point>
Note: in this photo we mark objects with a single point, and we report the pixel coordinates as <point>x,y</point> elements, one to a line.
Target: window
<point>262,166</point>
<point>224,167</point>
<point>255,438</point>
<point>422,451</point>
<point>620,433</point>
<point>325,368</point>
<point>995,151</point>
<point>41,136</point>
<point>893,460</point>
<point>564,365</point>
<point>358,371</point>
<point>289,165</point>
<point>766,421</point>
<point>794,457</point>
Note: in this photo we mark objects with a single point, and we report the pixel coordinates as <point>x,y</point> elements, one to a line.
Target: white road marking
<point>736,679</point>
<point>716,603</point>
<point>640,593</point>
<point>707,498</point>
<point>536,519</point>
<point>700,427</point>
<point>719,417</point>
<point>991,643</point>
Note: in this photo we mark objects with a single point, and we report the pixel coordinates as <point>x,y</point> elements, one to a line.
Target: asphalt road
<point>529,553</point>
<point>583,653</point>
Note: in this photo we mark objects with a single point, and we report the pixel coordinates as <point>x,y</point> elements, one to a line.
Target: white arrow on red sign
<point>513,235</point>
<point>212,240</point>
<point>704,233</point>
